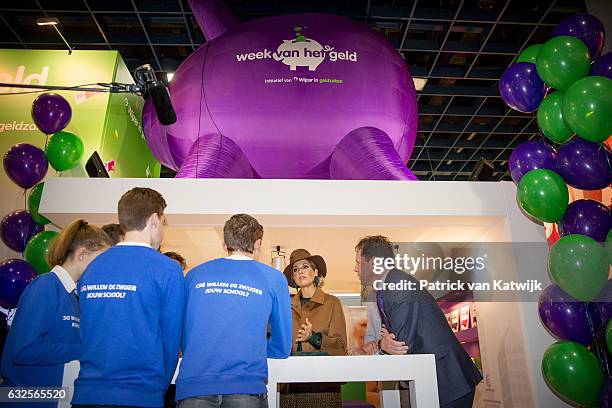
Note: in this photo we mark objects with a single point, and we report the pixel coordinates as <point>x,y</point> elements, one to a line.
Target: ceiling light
<point>54,22</point>
<point>419,83</point>
<point>47,21</point>
<point>169,76</point>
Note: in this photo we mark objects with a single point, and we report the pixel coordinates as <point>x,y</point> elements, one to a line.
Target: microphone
<point>146,79</point>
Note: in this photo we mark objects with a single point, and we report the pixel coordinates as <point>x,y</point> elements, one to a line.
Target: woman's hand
<point>370,348</point>
<point>305,332</point>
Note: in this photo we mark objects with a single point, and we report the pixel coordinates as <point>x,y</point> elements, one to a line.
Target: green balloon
<point>36,251</point>
<point>578,264</point>
<point>64,150</point>
<point>562,61</point>
<point>609,246</point>
<point>587,108</point>
<point>550,118</point>
<point>34,203</point>
<point>609,336</point>
<point>529,54</point>
<point>572,372</point>
<point>543,195</point>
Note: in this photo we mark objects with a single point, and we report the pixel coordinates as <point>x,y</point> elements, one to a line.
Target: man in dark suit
<point>414,323</point>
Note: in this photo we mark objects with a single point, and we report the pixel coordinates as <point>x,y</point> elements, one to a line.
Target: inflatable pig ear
<point>213,17</point>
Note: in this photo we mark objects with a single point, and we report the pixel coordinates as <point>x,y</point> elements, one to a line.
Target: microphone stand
<point>146,86</point>
<point>113,87</point>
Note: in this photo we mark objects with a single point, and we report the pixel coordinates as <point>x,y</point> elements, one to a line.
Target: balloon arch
<point>570,85</point>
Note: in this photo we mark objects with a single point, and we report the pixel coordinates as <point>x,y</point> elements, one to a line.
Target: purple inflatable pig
<point>297,96</point>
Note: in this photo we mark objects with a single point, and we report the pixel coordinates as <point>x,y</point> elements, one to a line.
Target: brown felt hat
<point>301,254</point>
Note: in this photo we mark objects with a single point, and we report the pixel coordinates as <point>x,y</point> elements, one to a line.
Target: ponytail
<point>76,235</point>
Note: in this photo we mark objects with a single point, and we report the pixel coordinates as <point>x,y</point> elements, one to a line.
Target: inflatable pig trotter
<point>297,96</point>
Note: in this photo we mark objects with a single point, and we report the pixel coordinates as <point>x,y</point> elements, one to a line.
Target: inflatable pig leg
<point>215,156</point>
<point>367,153</point>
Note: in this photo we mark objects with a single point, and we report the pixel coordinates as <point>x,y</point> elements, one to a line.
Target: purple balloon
<point>587,217</point>
<point>602,66</point>
<point>51,112</point>
<point>585,165</point>
<point>521,88</point>
<point>568,318</point>
<point>585,27</point>
<point>25,164</point>
<point>287,90</point>
<point>16,229</point>
<point>530,156</point>
<point>15,275</point>
<point>605,395</point>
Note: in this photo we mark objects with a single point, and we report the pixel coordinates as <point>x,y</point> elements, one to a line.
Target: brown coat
<point>324,311</point>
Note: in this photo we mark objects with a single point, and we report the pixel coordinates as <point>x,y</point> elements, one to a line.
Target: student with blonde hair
<point>44,335</point>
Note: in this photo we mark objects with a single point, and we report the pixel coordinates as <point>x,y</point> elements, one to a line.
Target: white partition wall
<point>328,217</point>
<point>281,202</point>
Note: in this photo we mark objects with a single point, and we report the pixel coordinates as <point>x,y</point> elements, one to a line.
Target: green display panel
<point>107,123</point>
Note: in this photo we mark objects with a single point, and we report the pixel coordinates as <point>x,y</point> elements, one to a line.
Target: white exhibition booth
<point>328,217</point>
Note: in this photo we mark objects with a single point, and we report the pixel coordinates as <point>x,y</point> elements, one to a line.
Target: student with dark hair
<point>178,258</point>
<point>132,303</point>
<point>230,303</point>
<point>412,322</point>
<point>44,335</point>
<point>115,232</point>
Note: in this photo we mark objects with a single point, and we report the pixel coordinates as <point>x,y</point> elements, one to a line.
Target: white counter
<point>419,369</point>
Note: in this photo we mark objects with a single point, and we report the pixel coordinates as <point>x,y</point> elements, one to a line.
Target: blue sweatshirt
<point>132,303</point>
<point>225,346</point>
<point>44,335</point>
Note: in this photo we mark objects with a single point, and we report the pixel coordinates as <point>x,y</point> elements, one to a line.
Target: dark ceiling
<point>461,46</point>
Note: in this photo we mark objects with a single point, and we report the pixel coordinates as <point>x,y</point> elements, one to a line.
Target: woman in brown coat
<point>318,327</point>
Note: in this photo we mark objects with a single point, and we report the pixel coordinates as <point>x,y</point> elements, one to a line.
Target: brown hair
<point>137,205</point>
<point>375,246</point>
<point>178,258</point>
<point>114,232</point>
<point>78,234</point>
<point>240,233</point>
